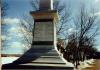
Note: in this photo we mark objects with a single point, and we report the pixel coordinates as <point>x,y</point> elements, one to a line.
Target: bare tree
<point>35,4</point>
<point>27,26</point>
<point>83,38</point>
<point>87,28</point>
<point>64,12</point>
<point>26,29</point>
<point>4,7</point>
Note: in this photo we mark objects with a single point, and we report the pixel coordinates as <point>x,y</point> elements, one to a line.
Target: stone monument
<point>45,21</point>
<point>43,53</point>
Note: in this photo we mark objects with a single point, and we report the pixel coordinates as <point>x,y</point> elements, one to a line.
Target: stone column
<point>46,5</point>
<point>45,24</point>
<point>45,27</point>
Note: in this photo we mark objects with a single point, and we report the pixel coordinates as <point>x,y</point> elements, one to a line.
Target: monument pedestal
<point>38,59</point>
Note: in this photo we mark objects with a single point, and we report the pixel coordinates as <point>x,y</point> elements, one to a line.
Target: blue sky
<point>15,12</point>
<point>16,8</point>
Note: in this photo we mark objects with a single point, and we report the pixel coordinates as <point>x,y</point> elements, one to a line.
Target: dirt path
<point>97,64</point>
<point>94,66</point>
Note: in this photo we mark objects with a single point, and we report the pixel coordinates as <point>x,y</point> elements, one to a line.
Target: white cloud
<point>4,37</point>
<point>19,45</point>
<point>20,35</point>
<point>13,29</point>
<point>16,44</point>
<point>71,30</point>
<point>11,21</point>
<point>99,49</point>
<point>20,31</point>
<point>97,13</point>
<point>96,1</point>
<point>16,29</point>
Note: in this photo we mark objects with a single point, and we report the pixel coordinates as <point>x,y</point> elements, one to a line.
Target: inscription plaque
<point>43,31</point>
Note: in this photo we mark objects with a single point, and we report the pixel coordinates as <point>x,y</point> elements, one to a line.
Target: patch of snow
<point>6,60</point>
<point>86,63</point>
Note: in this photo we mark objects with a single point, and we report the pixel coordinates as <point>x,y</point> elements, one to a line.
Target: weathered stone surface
<point>43,31</point>
<point>37,58</point>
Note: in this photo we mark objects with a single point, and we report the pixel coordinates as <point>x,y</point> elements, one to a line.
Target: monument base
<point>40,57</point>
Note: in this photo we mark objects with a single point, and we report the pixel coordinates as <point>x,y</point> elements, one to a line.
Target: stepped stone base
<point>39,57</point>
